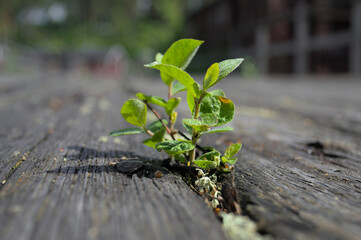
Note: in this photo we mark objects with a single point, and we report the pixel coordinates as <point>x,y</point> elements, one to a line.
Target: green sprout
<point>209,110</point>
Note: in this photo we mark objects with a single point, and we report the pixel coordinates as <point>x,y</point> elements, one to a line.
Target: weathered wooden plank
<point>66,187</point>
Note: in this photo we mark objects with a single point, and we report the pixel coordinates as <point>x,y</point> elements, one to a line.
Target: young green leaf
<point>152,99</point>
<point>218,130</point>
<point>209,119</point>
<point>156,125</point>
<point>156,138</point>
<point>197,125</point>
<point>177,73</point>
<point>226,111</point>
<point>171,105</point>
<point>211,156</point>
<point>191,102</point>
<point>134,111</point>
<point>232,150</point>
<point>181,52</point>
<point>174,147</point>
<point>217,92</point>
<point>211,76</point>
<point>210,104</point>
<point>226,67</point>
<point>178,87</point>
<point>231,161</point>
<point>126,131</point>
<point>222,107</point>
<point>205,164</point>
<point>158,57</point>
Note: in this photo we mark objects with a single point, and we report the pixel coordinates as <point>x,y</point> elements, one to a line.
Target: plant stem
<point>195,136</point>
<point>150,133</point>
<point>159,118</point>
<point>197,146</point>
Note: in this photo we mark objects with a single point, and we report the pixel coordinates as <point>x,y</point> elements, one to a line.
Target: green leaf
<point>178,87</point>
<point>177,73</point>
<point>209,119</point>
<point>174,147</point>
<point>205,164</point>
<point>210,104</point>
<point>156,138</point>
<point>158,57</point>
<point>211,76</point>
<point>152,99</point>
<point>134,111</point>
<point>191,102</point>
<point>181,52</point>
<point>222,107</point>
<point>231,161</point>
<point>127,131</point>
<point>217,92</point>
<point>197,125</point>
<point>156,125</point>
<point>232,150</point>
<point>218,130</point>
<point>226,112</point>
<point>226,67</point>
<point>180,158</point>
<point>171,105</point>
<point>188,128</point>
<point>211,156</point>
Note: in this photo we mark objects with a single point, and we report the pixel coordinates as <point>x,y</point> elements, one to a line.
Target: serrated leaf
<point>205,164</point>
<point>232,150</point>
<point>174,147</point>
<point>156,138</point>
<point>211,76</point>
<point>226,67</point>
<point>197,125</point>
<point>171,105</point>
<point>218,130</point>
<point>217,92</point>
<point>178,87</point>
<point>126,131</point>
<point>231,161</point>
<point>158,57</point>
<point>156,125</point>
<point>152,99</point>
<point>209,119</point>
<point>134,111</point>
<point>180,158</point>
<point>177,73</point>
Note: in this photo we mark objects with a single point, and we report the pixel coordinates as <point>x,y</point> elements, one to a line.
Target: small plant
<point>209,111</point>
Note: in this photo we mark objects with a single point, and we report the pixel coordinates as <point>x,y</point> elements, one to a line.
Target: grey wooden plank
<point>66,188</point>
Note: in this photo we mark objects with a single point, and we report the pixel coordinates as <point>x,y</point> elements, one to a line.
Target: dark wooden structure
<point>284,36</point>
<point>298,175</point>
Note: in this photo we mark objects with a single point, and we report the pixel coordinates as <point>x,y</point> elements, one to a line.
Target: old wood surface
<point>57,181</point>
<point>298,175</point>
<point>299,172</point>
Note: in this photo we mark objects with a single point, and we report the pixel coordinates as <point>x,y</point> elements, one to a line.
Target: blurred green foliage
<point>92,24</point>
